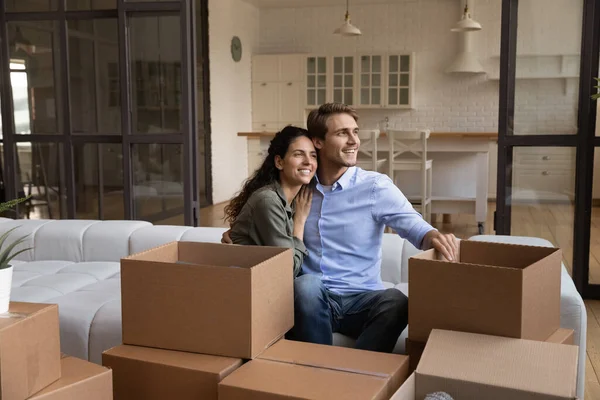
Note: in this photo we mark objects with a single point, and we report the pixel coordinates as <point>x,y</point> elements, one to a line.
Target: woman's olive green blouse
<point>267,220</point>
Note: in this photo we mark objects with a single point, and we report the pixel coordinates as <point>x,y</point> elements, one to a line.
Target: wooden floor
<point>549,221</point>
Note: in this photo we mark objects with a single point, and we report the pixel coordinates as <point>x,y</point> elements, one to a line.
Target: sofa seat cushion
<point>81,290</point>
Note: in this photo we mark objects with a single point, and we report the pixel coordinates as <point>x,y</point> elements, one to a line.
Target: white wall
<point>230,92</point>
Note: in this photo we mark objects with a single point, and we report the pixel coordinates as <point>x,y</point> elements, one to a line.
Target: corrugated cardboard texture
<point>155,374</point>
<point>407,390</point>
<point>467,365</point>
<point>271,380</point>
<point>415,349</point>
<point>81,380</point>
<point>272,304</point>
<point>562,336</point>
<point>391,366</point>
<point>29,349</point>
<point>483,294</point>
<point>219,299</point>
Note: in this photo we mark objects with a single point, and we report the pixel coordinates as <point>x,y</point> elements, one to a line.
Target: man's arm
<point>392,208</point>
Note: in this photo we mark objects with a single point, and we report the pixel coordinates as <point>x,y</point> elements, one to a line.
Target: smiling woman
<point>273,205</point>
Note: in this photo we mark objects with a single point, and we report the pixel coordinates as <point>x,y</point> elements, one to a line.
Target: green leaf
<point>11,203</point>
<point>3,266</point>
<point>5,254</point>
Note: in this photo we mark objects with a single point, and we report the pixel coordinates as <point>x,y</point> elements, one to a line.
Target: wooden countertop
<point>437,135</point>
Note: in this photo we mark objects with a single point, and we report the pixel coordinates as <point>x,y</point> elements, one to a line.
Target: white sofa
<point>76,264</point>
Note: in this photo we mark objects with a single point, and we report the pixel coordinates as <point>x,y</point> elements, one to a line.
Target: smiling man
<point>340,287</point>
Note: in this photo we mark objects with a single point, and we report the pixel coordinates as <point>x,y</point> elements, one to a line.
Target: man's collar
<point>344,181</point>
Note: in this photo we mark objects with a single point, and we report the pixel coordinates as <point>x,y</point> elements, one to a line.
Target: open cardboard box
<point>208,298</point>
<point>298,370</point>
<point>495,289</point>
<point>471,366</point>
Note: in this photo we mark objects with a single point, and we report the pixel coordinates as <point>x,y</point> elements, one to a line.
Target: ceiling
<point>315,3</point>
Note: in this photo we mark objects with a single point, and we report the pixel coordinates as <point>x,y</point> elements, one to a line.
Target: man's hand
<point>225,237</point>
<point>446,244</point>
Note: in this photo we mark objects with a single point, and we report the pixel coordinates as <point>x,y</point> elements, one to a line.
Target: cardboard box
<point>80,380</point>
<point>474,366</point>
<point>562,336</point>
<point>495,289</point>
<point>147,373</point>
<point>29,349</point>
<point>208,298</point>
<point>414,350</point>
<point>293,370</point>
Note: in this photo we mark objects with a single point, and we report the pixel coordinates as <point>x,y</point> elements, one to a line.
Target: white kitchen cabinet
<point>316,81</point>
<point>370,73</point>
<point>400,81</point>
<point>385,81</point>
<point>343,79</point>
<point>265,101</point>
<point>544,173</point>
<point>291,106</point>
<point>277,91</point>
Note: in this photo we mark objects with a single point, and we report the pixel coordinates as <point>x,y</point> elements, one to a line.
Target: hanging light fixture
<point>347,29</point>
<point>466,24</point>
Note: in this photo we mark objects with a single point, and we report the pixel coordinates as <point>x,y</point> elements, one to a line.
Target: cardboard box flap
<point>18,311</point>
<point>229,255</point>
<point>525,365</point>
<point>211,254</point>
<point>336,358</point>
<point>77,372</point>
<point>492,254</point>
<point>563,336</point>
<point>502,254</point>
<point>301,382</point>
<point>407,390</point>
<point>179,359</point>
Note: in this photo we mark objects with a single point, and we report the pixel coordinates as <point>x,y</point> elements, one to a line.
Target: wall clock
<point>236,49</point>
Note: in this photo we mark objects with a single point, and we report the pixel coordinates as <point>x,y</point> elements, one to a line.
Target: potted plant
<point>596,96</point>
<point>6,255</point>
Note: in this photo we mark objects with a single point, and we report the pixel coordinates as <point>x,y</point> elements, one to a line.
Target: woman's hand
<point>303,202</point>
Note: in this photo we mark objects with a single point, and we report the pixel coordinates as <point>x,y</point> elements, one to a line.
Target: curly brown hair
<point>317,119</point>
<point>267,173</point>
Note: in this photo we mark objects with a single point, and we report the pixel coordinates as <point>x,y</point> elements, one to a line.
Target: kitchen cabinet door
<point>265,68</point>
<point>265,101</point>
<point>343,79</point>
<point>290,103</point>
<point>399,81</point>
<point>370,70</point>
<point>316,80</point>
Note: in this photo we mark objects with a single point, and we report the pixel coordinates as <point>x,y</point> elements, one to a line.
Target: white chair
<point>413,143</point>
<point>367,152</point>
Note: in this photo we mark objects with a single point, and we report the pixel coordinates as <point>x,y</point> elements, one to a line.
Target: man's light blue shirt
<point>344,230</point>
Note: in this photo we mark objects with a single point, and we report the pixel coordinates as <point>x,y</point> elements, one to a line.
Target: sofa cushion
<point>109,240</point>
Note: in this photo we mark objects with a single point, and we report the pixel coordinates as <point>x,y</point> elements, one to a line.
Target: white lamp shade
<point>466,24</point>
<point>347,29</point>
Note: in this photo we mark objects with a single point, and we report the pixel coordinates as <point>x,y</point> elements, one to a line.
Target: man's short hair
<point>316,122</point>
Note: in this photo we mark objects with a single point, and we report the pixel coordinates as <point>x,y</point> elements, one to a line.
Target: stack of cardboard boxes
<point>488,325</point>
<point>206,321</point>
<point>32,366</point>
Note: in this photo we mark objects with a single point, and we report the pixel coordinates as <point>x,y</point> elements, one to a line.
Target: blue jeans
<point>374,318</point>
